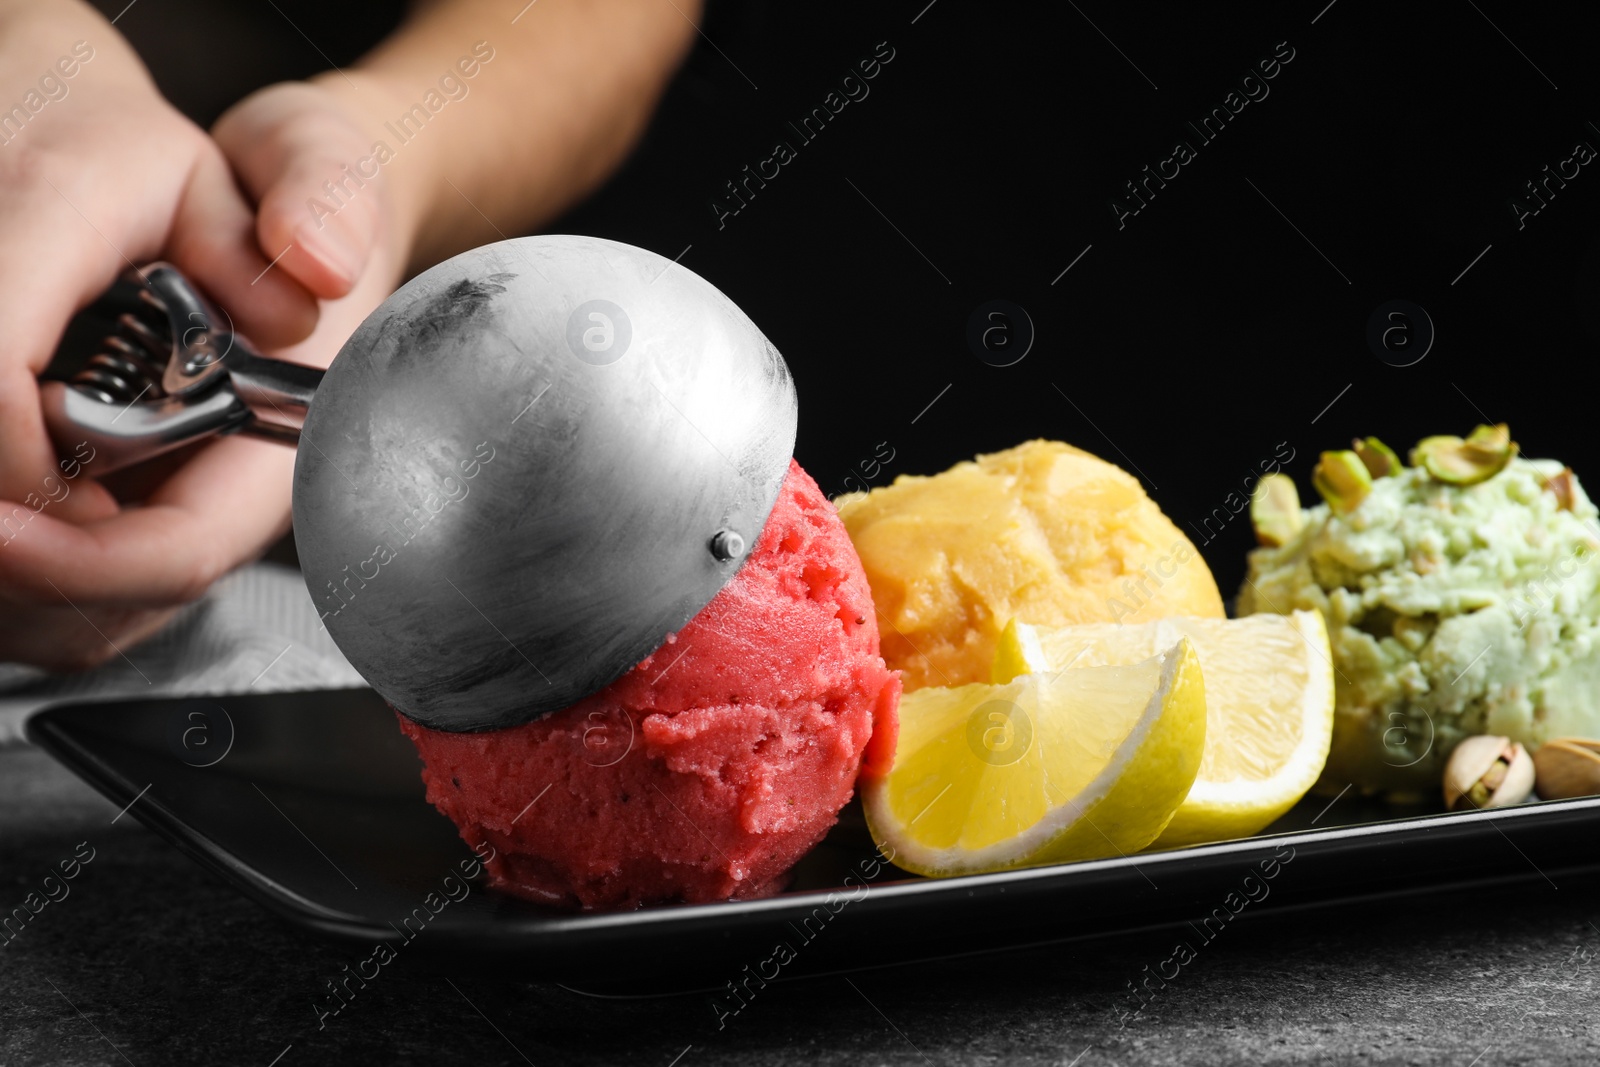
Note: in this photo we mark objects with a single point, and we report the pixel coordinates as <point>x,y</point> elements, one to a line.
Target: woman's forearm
<point>487,126</point>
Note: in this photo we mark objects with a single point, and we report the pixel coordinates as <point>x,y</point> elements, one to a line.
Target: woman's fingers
<point>56,260</point>
<point>68,637</point>
<point>213,241</point>
<point>225,506</point>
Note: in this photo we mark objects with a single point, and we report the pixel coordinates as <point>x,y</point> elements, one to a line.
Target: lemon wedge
<point>1044,768</point>
<point>1269,706</point>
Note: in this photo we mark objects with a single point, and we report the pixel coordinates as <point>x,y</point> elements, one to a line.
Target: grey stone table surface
<point>149,960</point>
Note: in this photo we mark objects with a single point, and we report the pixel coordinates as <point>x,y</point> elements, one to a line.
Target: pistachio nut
<point>1567,767</point>
<point>1466,461</point>
<point>1561,484</point>
<point>1487,772</point>
<point>1380,460</point>
<point>1491,441</point>
<point>1342,480</point>
<point>1275,510</point>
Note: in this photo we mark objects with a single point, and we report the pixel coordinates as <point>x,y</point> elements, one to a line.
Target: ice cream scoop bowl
<point>522,472</point>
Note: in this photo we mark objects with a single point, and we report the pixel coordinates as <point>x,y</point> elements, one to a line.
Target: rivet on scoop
<point>727,545</point>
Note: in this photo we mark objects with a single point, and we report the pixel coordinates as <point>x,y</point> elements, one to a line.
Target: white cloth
<point>255,631</point>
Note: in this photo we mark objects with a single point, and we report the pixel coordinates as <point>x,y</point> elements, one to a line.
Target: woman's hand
<point>97,174</point>
<point>84,576</point>
<point>542,106</point>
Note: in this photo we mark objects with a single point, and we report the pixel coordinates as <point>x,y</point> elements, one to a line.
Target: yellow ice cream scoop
<point>1043,532</point>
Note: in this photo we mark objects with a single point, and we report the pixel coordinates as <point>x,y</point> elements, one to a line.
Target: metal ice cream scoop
<point>522,472</point>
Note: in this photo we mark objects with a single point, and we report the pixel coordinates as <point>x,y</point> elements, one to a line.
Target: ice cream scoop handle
<point>171,374</point>
<point>272,383</point>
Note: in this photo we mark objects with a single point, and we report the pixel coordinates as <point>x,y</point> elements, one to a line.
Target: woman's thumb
<point>303,163</point>
<point>315,214</point>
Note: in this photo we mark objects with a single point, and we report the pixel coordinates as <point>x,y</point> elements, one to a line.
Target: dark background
<point>1186,346</point>
<point>1191,344</point>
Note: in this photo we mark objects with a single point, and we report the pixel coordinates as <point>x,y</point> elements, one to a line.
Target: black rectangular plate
<point>316,811</point>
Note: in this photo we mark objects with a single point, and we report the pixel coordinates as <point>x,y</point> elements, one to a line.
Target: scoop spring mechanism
<point>171,373</point>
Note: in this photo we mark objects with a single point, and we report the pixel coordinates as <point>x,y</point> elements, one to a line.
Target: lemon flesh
<point>1269,706</point>
<point>1045,768</point>
<point>1043,531</point>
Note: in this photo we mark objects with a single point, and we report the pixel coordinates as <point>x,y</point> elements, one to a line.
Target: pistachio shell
<point>1567,767</point>
<point>1342,480</point>
<point>1469,762</point>
<point>1491,441</point>
<point>1422,447</point>
<point>1379,458</point>
<point>1561,484</point>
<point>1275,510</point>
<point>1457,461</point>
<point>1476,757</point>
